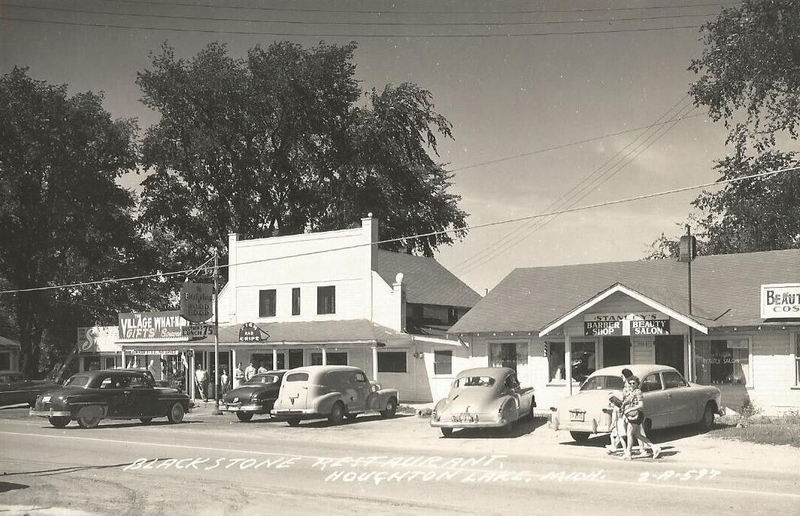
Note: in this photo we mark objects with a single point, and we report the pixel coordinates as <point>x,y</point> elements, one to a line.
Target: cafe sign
<point>780,301</point>
<point>197,301</point>
<point>624,324</point>
<point>151,325</point>
<point>249,332</point>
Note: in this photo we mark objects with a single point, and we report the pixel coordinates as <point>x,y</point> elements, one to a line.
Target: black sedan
<point>93,396</point>
<point>15,389</point>
<point>255,396</point>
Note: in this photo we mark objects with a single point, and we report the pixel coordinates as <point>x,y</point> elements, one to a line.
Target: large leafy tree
<point>749,79</point>
<point>63,218</point>
<point>284,141</point>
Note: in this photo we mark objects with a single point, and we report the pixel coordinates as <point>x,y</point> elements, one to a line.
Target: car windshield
<point>263,379</point>
<point>475,381</point>
<point>78,380</point>
<point>602,382</point>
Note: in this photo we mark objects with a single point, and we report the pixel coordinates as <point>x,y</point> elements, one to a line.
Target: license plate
<point>577,415</point>
<point>465,418</point>
<point>46,399</point>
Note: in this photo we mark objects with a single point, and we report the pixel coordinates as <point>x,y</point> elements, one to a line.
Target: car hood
<point>597,399</point>
<point>477,398</point>
<point>248,390</point>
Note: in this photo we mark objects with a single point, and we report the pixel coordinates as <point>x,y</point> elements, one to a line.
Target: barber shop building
<point>732,321</point>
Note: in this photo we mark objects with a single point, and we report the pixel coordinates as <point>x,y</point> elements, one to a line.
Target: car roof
<point>494,372</point>
<point>316,371</point>
<point>640,370</point>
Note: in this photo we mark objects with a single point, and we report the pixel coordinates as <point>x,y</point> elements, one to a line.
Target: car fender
<point>324,404</point>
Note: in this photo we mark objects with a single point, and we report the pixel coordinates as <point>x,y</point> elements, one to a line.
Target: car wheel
<point>244,416</point>
<point>707,421</point>
<point>391,408</point>
<point>446,432</point>
<point>293,421</point>
<point>337,414</point>
<point>88,422</point>
<point>59,421</point>
<point>580,436</point>
<point>146,420</point>
<point>176,413</point>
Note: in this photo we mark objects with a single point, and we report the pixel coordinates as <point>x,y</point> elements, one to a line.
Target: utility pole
<point>217,411</point>
<point>686,253</point>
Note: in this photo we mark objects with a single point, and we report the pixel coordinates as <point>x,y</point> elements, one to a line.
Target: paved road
<point>215,465</point>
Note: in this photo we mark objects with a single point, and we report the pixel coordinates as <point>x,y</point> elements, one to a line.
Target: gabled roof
<point>725,290</point>
<point>426,280</point>
<point>8,344</point>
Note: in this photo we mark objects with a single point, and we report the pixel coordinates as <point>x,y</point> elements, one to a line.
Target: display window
<point>584,360</point>
<point>723,361</point>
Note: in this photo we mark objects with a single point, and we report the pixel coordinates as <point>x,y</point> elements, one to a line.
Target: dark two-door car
<point>92,396</point>
<point>255,396</point>
<point>15,389</point>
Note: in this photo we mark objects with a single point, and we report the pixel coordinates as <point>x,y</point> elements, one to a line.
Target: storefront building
<point>9,355</point>
<point>97,348</point>
<point>326,298</point>
<point>740,331</point>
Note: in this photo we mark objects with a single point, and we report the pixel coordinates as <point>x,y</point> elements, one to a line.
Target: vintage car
<point>332,392</point>
<point>669,400</point>
<point>92,396</point>
<point>485,397</point>
<point>15,389</point>
<point>255,396</point>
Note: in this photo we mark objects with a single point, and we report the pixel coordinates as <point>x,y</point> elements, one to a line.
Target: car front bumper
<point>297,414</point>
<point>498,423</point>
<point>257,408</point>
<point>50,413</point>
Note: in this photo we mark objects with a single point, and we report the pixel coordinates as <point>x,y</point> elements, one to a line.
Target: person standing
<point>250,371</point>
<point>201,378</point>
<point>238,376</point>
<point>223,380</point>
<point>262,369</point>
<point>633,412</point>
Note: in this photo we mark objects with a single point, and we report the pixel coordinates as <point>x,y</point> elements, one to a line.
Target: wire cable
<point>161,275</point>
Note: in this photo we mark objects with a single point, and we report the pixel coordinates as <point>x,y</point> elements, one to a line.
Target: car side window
<point>673,380</point>
<point>139,382</point>
<point>511,382</point>
<point>107,383</point>
<point>361,377</point>
<point>651,383</point>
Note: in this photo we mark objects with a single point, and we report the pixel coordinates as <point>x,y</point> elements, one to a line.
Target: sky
<point>554,104</point>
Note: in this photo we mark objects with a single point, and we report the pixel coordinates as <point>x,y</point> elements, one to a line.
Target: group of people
<point>627,416</point>
<point>239,376</point>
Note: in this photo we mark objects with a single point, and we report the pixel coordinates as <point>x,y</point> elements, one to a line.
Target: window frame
<point>329,353</point>
<point>576,340</point>
<point>664,380</point>
<point>322,305</point>
<point>296,306</point>
<point>386,353</point>
<point>658,376</point>
<point>263,294</point>
<point>449,363</point>
<point>749,372</point>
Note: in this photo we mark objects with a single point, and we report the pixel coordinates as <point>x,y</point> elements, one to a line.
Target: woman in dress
<point>633,411</point>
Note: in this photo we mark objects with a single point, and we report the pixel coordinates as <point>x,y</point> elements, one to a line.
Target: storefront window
<point>265,359</point>
<point>507,354</point>
<point>443,362</point>
<point>331,358</point>
<point>584,360</point>
<point>392,362</point>
<point>723,361</point>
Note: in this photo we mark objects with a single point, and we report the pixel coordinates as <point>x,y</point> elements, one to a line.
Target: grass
<point>751,427</point>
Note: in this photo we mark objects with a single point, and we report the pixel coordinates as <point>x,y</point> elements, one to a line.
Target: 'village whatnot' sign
<point>624,324</point>
<point>151,325</point>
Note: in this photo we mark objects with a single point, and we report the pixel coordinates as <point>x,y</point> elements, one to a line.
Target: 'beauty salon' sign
<point>780,301</point>
<point>619,324</point>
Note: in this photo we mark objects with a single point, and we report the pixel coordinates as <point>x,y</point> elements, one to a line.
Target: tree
<point>750,80</point>
<point>282,142</point>
<point>63,219</point>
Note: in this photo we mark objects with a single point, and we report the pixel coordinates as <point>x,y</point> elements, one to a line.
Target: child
<point>617,425</point>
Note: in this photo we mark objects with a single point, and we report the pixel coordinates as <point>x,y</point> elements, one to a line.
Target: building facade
<point>736,327</point>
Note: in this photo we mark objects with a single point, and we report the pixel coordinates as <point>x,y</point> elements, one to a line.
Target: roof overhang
<point>692,323</point>
<point>436,340</point>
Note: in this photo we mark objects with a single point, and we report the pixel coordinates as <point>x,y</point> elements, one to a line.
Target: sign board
<point>138,351</point>
<point>249,332</point>
<point>151,325</point>
<point>621,324</point>
<point>197,301</point>
<point>198,331</point>
<point>98,339</point>
<point>780,301</point>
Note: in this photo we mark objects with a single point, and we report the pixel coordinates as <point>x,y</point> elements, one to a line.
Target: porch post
<point>275,358</point>
<point>123,358</point>
<point>568,362</point>
<point>324,356</point>
<point>375,363</point>
<point>190,382</point>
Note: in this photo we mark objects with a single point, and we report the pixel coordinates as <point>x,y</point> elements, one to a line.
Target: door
<point>503,355</point>
<point>112,391</point>
<point>295,358</point>
<point>616,351</point>
<point>362,388</point>
<point>669,351</point>
<point>682,410</point>
<point>656,401</point>
<point>142,398</point>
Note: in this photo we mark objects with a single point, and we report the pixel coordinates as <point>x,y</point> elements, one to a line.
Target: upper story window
<point>296,301</point>
<point>266,303</point>
<point>326,300</point>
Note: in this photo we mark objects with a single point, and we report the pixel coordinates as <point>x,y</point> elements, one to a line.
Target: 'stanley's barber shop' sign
<point>780,301</point>
<point>643,323</point>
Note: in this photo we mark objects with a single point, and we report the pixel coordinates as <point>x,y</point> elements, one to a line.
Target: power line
<point>565,145</point>
<point>584,184</point>
<point>422,235</point>
<point>358,23</point>
<point>450,12</point>
<point>327,35</point>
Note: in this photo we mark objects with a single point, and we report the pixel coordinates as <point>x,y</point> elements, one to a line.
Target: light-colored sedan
<point>485,397</point>
<point>669,400</point>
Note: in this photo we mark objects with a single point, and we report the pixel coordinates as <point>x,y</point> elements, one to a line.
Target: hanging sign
<point>198,331</point>
<point>249,332</point>
<point>197,301</point>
